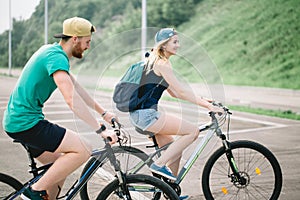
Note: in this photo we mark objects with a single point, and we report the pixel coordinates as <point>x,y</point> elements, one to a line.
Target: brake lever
<point>115,123</point>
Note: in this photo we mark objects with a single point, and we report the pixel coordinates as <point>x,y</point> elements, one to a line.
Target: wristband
<point>104,113</point>
<point>102,128</point>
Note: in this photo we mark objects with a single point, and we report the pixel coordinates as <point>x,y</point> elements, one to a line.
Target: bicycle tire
<point>8,186</point>
<point>255,163</point>
<point>136,185</point>
<point>128,157</point>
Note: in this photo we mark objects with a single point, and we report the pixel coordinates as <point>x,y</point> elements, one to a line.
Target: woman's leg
<point>163,140</point>
<point>74,152</point>
<point>168,125</point>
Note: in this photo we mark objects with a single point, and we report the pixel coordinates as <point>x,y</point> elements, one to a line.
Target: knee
<point>87,151</point>
<point>86,156</point>
<point>84,151</point>
<point>195,135</point>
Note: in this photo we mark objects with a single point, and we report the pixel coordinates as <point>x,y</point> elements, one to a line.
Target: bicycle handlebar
<point>214,120</point>
<point>220,105</point>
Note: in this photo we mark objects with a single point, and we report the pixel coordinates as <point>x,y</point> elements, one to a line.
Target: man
<point>48,69</point>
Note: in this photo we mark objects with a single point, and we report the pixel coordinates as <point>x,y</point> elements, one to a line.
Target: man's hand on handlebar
<point>110,135</point>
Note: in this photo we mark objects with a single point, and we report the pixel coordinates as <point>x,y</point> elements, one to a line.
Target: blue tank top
<point>149,82</point>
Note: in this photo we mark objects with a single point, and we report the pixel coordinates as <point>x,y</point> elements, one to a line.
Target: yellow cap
<point>76,26</point>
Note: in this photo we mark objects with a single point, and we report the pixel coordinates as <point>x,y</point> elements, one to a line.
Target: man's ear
<point>74,38</point>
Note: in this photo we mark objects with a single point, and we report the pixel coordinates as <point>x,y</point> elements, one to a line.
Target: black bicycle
<point>237,170</point>
<point>122,185</point>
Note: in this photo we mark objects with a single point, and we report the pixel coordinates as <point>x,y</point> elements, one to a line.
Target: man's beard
<point>77,52</point>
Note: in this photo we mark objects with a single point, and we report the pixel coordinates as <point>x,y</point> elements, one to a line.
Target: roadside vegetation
<point>287,114</point>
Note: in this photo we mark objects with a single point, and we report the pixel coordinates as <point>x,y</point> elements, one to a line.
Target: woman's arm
<point>177,89</point>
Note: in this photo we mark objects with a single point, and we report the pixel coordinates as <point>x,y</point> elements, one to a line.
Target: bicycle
<point>240,169</point>
<point>122,186</point>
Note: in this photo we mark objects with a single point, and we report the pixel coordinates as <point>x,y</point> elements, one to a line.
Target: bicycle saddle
<point>151,134</point>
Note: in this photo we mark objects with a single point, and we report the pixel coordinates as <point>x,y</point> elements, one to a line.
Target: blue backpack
<point>126,91</point>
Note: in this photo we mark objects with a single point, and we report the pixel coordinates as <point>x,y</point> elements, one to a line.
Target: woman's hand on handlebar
<point>212,106</point>
<point>215,109</point>
<point>208,100</point>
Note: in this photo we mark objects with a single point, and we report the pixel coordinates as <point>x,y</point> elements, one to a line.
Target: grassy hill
<point>252,42</point>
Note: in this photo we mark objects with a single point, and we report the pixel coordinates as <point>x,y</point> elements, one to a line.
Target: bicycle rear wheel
<point>140,187</point>
<point>129,158</point>
<point>255,163</point>
<point>8,186</point>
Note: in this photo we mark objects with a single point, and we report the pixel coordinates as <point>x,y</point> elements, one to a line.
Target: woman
<point>159,76</point>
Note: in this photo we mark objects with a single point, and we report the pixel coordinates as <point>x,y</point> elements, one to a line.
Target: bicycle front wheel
<point>130,158</point>
<point>258,167</point>
<point>138,187</point>
<point>8,186</point>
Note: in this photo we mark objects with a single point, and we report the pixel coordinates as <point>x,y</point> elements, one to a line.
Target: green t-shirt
<point>34,87</point>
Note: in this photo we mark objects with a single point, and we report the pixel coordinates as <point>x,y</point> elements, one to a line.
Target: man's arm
<point>73,99</point>
<point>91,102</point>
<point>86,97</point>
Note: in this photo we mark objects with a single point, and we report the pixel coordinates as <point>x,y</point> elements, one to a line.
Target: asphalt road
<point>281,136</point>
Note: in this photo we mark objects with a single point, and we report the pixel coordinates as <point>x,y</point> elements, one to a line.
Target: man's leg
<point>74,152</point>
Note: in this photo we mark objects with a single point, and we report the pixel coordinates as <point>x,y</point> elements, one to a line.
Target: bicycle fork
<point>119,174</point>
<point>235,177</point>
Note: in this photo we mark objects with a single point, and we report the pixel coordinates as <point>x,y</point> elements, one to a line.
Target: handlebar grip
<point>116,128</point>
<point>101,129</point>
<point>109,139</point>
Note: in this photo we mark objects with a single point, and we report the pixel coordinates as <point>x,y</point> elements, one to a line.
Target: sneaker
<point>184,197</point>
<point>30,194</point>
<point>163,171</point>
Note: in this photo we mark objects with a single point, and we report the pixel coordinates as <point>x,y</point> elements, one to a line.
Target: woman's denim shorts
<point>144,118</point>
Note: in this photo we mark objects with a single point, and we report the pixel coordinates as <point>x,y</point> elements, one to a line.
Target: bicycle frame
<point>27,184</point>
<point>189,163</point>
<point>213,128</point>
<point>192,159</point>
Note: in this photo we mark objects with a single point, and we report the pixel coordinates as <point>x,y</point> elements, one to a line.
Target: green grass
<point>253,43</point>
<point>288,114</point>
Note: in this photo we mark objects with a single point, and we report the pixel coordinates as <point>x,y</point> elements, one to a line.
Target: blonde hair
<point>156,53</point>
<point>161,38</point>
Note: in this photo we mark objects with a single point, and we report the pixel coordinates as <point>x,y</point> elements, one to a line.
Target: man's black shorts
<point>44,136</point>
